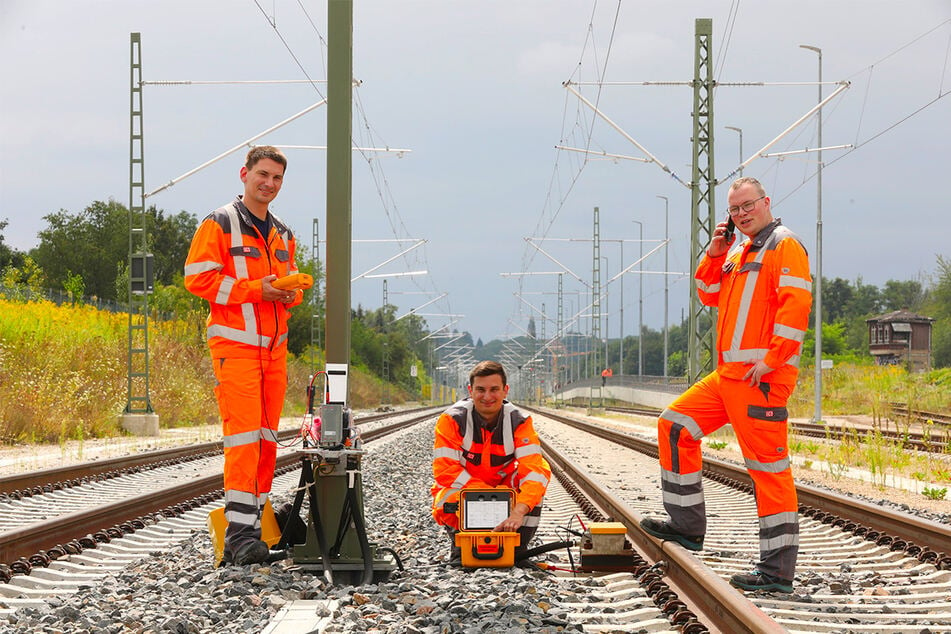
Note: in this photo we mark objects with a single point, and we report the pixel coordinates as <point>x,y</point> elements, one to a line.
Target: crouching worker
<point>482,442</point>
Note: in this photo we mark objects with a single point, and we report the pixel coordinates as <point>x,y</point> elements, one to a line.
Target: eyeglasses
<point>747,206</point>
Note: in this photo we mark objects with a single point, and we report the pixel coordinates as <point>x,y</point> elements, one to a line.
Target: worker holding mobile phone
<point>762,290</point>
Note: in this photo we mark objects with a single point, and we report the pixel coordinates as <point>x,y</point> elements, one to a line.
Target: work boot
<point>663,530</point>
<point>253,552</point>
<point>759,580</point>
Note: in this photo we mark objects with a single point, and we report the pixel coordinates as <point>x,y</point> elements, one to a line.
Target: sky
<point>474,91</point>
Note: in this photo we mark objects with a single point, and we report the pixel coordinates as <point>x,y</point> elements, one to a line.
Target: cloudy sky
<point>474,89</point>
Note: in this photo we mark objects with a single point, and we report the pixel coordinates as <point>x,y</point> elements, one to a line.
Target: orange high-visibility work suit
<point>467,455</point>
<point>248,342</point>
<point>762,289</point>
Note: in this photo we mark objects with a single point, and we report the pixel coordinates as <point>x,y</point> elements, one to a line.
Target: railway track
<point>66,510</point>
<point>935,438</point>
<point>862,568</point>
<point>886,589</point>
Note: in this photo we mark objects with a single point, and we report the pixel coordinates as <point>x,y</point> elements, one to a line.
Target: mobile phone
<point>730,227</point>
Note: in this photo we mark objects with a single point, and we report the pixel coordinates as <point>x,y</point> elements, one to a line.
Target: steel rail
<point>937,441</point>
<point>32,538</point>
<point>923,532</point>
<point>704,592</point>
<point>56,475</point>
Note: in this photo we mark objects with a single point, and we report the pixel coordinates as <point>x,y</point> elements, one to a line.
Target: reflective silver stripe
<point>201,267</point>
<point>746,300</point>
<point>446,452</point>
<point>684,420</point>
<point>236,517</point>
<point>240,336</point>
<point>681,478</point>
<point>778,519</point>
<point>470,428</point>
<point>224,291</point>
<point>240,497</point>
<point>792,281</point>
<point>461,479</point>
<point>779,541</point>
<point>442,495</point>
<point>535,477</point>
<point>268,434</point>
<point>262,499</point>
<point>531,520</point>
<point>244,438</point>
<point>712,288</point>
<point>789,332</point>
<point>767,467</point>
<point>282,339</point>
<point>240,261</point>
<point>508,435</point>
<point>793,361</point>
<point>676,499</point>
<point>744,355</point>
<point>527,450</point>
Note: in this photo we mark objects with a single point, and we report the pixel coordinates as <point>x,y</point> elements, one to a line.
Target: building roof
<point>900,316</point>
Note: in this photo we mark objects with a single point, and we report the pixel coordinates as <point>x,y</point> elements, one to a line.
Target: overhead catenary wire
<point>859,144</point>
<point>391,211</point>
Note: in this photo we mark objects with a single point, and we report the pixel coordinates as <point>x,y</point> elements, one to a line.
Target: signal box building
<point>901,338</point>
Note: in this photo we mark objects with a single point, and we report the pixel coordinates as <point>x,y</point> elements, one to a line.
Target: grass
<point>849,389</point>
<point>63,374</point>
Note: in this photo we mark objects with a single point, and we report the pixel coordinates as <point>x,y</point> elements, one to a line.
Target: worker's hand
<point>514,521</point>
<point>757,372</point>
<point>718,244</point>
<point>271,294</point>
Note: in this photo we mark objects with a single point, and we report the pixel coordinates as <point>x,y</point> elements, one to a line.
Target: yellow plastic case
<point>487,549</point>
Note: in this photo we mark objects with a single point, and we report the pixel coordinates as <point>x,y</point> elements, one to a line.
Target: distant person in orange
<point>605,373</point>
<point>762,290</point>
<point>236,253</point>
<point>484,441</point>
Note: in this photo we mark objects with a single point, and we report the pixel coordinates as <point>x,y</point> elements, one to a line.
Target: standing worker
<point>484,441</point>
<point>236,254</point>
<point>762,290</point>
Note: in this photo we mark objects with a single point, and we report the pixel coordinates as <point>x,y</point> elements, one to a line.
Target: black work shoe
<point>255,552</point>
<point>759,580</point>
<point>663,530</point>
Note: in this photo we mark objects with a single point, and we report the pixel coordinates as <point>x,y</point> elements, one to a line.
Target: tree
<point>938,307</point>
<point>866,300</point>
<point>907,295</point>
<point>94,245</point>
<point>26,276</point>
<point>8,257</point>
<point>90,244</point>
<point>169,238</point>
<point>836,296</point>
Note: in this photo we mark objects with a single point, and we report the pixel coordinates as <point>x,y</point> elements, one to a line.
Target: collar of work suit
<point>482,440</point>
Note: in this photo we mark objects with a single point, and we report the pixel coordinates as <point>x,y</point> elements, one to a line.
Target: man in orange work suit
<point>485,441</point>
<point>762,291</point>
<point>235,255</point>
